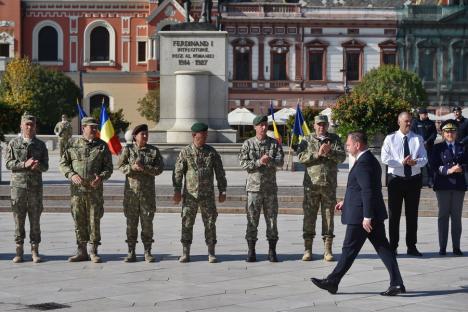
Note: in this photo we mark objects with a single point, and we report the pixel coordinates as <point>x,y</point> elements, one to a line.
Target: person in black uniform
<point>363,211</point>
<point>427,130</point>
<point>462,125</point>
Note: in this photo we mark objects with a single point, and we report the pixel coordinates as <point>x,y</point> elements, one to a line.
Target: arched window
<point>99,49</point>
<point>48,44</point>
<point>95,102</point>
<point>99,44</point>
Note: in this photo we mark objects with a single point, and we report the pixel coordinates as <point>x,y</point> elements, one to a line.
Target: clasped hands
<point>409,161</point>
<point>77,180</point>
<point>31,163</point>
<point>455,169</point>
<point>324,149</point>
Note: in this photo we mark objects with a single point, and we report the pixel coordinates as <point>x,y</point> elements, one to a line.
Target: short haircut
<point>358,136</point>
<point>400,115</point>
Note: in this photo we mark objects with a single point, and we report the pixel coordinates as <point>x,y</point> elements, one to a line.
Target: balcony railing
<point>241,84</point>
<point>266,9</point>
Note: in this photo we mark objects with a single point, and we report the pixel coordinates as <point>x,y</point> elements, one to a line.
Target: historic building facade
<point>310,51</point>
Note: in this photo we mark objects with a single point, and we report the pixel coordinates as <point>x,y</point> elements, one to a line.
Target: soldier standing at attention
<point>63,129</point>
<point>140,162</point>
<point>321,153</point>
<point>87,162</point>
<point>197,163</point>
<point>260,156</point>
<point>27,158</point>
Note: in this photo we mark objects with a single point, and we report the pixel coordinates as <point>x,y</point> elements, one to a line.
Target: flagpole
<point>289,153</point>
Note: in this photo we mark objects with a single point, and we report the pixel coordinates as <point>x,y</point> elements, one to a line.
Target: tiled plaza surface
<point>434,283</point>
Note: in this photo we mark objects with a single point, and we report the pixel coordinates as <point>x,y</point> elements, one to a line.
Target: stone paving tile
<point>433,282</point>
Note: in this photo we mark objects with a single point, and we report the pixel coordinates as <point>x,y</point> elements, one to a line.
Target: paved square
<point>434,283</point>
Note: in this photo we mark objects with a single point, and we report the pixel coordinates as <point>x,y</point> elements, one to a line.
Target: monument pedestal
<point>194,86</point>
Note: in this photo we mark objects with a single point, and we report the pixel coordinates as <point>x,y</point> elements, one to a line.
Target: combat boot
<point>307,250</point>
<point>148,256</point>
<point>185,254</point>
<point>81,254</point>
<point>35,253</point>
<point>251,255</point>
<point>272,250</point>
<point>19,253</point>
<point>93,253</point>
<point>131,257</point>
<point>211,254</point>
<point>328,255</point>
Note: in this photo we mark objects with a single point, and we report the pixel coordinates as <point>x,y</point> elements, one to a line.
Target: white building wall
<point>254,58</point>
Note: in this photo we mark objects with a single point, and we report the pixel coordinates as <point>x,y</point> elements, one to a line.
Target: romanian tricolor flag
<point>300,128</point>
<point>108,134</point>
<point>275,129</point>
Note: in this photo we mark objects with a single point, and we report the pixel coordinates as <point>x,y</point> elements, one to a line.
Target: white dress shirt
<point>393,153</point>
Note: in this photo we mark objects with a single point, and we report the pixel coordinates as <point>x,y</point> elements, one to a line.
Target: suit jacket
<point>442,157</point>
<point>363,198</point>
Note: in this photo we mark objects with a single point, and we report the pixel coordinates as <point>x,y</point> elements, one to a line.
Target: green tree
<point>9,120</point>
<point>117,119</point>
<point>41,91</point>
<point>375,103</point>
<point>148,106</point>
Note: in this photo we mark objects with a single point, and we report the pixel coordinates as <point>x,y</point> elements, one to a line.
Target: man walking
<point>404,153</point>
<point>197,164</point>
<point>87,162</point>
<point>321,153</point>
<point>27,158</point>
<point>140,162</point>
<point>363,211</point>
<point>261,156</point>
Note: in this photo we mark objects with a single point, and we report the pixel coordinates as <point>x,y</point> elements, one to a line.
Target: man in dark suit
<point>363,211</point>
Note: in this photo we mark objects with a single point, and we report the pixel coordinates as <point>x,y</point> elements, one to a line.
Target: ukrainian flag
<point>108,134</point>
<point>275,129</point>
<point>300,128</point>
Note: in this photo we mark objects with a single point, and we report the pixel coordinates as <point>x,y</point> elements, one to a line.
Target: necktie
<point>450,146</point>
<point>407,168</point>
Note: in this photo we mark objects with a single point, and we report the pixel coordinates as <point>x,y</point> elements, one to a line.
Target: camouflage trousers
<point>62,143</point>
<point>315,197</point>
<point>138,207</point>
<point>87,210</point>
<point>209,215</point>
<point>255,202</point>
<point>27,202</point>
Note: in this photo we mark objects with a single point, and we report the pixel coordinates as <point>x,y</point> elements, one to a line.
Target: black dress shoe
<point>325,284</point>
<point>394,290</point>
<point>457,252</point>
<point>413,252</point>
<point>442,252</point>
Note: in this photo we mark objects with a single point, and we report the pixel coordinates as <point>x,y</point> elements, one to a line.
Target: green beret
<point>199,127</point>
<point>89,121</point>
<point>139,128</point>
<point>259,119</point>
<point>449,125</point>
<point>320,118</point>
<point>28,117</point>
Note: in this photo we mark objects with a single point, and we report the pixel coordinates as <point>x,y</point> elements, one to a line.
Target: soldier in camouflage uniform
<point>27,158</point>
<point>260,156</point>
<point>63,129</point>
<point>140,162</point>
<point>321,153</point>
<point>87,162</point>
<point>198,162</point>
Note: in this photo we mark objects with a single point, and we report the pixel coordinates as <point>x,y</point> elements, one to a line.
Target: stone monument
<point>193,84</point>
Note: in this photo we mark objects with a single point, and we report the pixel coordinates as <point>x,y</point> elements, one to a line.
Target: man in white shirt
<point>404,153</point>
